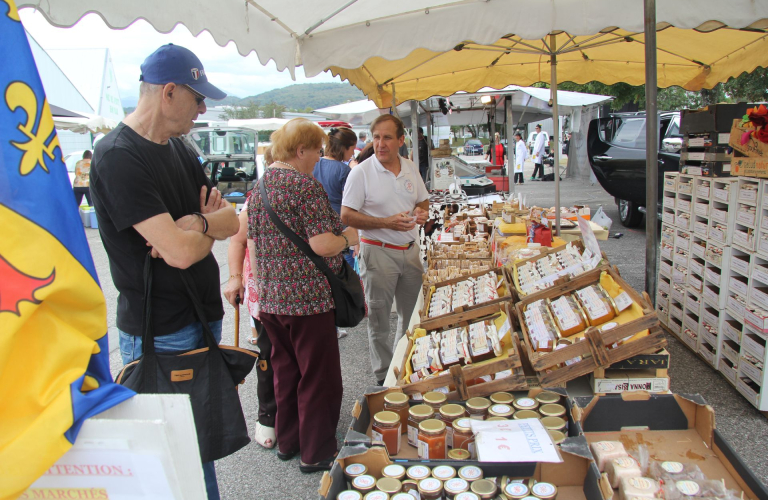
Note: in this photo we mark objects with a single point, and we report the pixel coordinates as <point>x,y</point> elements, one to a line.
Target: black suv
<point>616,150</point>
<point>228,156</point>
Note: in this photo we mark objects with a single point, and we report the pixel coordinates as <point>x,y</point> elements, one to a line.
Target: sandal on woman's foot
<point>253,340</point>
<point>319,466</point>
<point>265,436</point>
<point>287,456</point>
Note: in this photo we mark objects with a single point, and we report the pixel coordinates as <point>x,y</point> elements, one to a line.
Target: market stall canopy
<point>360,112</point>
<point>345,34</point>
<point>258,124</point>
<point>92,123</point>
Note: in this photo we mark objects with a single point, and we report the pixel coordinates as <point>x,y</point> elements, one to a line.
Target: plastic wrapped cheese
<point>621,468</point>
<point>605,451</point>
<point>640,487</point>
<point>689,489</point>
<point>668,472</point>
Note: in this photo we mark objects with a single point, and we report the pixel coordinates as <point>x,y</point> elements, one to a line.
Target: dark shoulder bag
<point>346,287</point>
<point>209,376</point>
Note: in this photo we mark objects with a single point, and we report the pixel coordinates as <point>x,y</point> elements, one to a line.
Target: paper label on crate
<point>694,282</point>
<point>723,138</point>
<point>760,273</point>
<point>684,205</point>
<point>668,217</point>
<point>698,250</point>
<point>696,156</point>
<point>750,370</point>
<point>666,251</point>
<point>739,265</point>
<point>678,276</point>
<point>698,142</point>
<point>719,215</point>
<point>742,237</point>
<point>696,267</point>
<point>726,168</point>
<point>703,192</point>
<point>738,286</point>
<point>566,316</point>
<point>760,297</point>
<point>664,286</point>
<point>616,386</point>
<point>712,276</point>
<point>688,169</point>
<point>745,218</point>
<point>423,450</point>
<point>681,259</point>
<point>764,245</point>
<point>623,301</point>
<point>748,194</point>
<point>676,312</point>
<point>721,194</point>
<point>702,209</point>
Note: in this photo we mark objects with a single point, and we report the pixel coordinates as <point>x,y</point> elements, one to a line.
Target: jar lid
<point>402,496</point>
<point>459,454</point>
<point>471,473</point>
<point>467,495</point>
<point>526,404</point>
<point>389,485</point>
<point>526,414</point>
<point>456,485</point>
<point>355,470</point>
<point>478,403</point>
<point>387,417</point>
<point>349,495</point>
<point>421,411</point>
<point>443,472</point>
<point>394,470</point>
<point>435,398</point>
<point>495,419</point>
<point>484,487</point>
<point>557,436</point>
<point>432,425</point>
<point>396,398</point>
<point>462,424</point>
<point>544,490</point>
<point>516,490</point>
<point>552,410</point>
<point>430,485</point>
<point>376,495</point>
<point>364,482</point>
<point>553,423</point>
<point>504,398</point>
<point>501,410</point>
<point>451,410</point>
<point>547,397</point>
<point>418,472</point>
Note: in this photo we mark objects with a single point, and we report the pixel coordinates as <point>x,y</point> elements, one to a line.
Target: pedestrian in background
<point>81,183</point>
<point>521,153</point>
<point>295,300</point>
<point>539,149</point>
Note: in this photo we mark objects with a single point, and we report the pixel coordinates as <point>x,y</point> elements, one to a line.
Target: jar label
<point>543,490</point>
<point>500,409</point>
<point>415,494</point>
<point>672,467</point>
<point>596,305</point>
<point>516,489</point>
<point>443,472</point>
<point>471,473</point>
<point>624,462</point>
<point>456,484</point>
<point>377,495</point>
<point>623,301</point>
<point>449,437</point>
<point>413,435</point>
<point>690,488</point>
<point>564,313</point>
<point>604,446</point>
<point>365,481</point>
<point>640,483</point>
<point>526,402</point>
<point>376,436</point>
<point>477,417</point>
<point>355,469</point>
<point>423,450</point>
<point>393,470</point>
<point>418,471</point>
<point>348,495</point>
<point>464,422</point>
<point>430,484</point>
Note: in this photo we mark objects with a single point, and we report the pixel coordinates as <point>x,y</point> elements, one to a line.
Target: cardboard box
<point>674,428</point>
<point>749,167</point>
<point>753,148</point>
<point>714,118</point>
<point>505,293</point>
<point>576,478</point>
<point>620,381</point>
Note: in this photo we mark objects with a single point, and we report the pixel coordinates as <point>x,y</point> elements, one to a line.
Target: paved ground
<point>257,473</point>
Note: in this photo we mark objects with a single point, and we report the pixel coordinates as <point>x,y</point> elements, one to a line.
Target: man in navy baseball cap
<point>176,64</point>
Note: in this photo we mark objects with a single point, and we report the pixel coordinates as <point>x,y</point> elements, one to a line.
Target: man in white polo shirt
<point>385,198</point>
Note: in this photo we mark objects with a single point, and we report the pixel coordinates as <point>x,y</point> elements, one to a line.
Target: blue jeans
<point>188,338</point>
<point>350,258</point>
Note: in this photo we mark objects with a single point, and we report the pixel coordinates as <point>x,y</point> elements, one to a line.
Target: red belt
<point>386,245</point>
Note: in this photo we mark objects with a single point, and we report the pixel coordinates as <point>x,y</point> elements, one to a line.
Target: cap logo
<point>197,73</point>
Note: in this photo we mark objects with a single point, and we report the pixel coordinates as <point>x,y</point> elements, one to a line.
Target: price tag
<point>623,301</point>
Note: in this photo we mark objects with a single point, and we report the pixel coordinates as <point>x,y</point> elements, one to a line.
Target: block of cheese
<point>640,487</point>
<point>669,472</point>
<point>605,451</point>
<point>620,468</point>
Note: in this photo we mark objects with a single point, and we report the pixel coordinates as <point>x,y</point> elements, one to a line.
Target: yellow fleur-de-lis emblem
<point>12,12</point>
<point>43,141</point>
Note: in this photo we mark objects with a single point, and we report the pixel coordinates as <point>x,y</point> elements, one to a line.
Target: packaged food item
<point>431,489</point>
<point>544,491</point>
<point>620,468</point>
<point>605,451</point>
<point>455,486</point>
<point>598,305</point>
<point>423,352</point>
<point>484,488</point>
<point>432,440</point>
<point>525,403</point>
<point>364,483</point>
<point>668,472</point>
<point>416,415</point>
<point>435,400</point>
<point>387,429</point>
<point>349,495</point>
<point>516,491</point>
<point>478,408</point>
<point>639,487</point>
<point>418,472</point>
<point>463,438</point>
<point>448,414</point>
<point>541,327</point>
<point>443,472</point>
<point>471,473</point>
<point>351,471</point>
<point>688,489</point>
<point>481,341</point>
<point>394,471</point>
<point>398,403</point>
<point>548,397</point>
<point>451,348</point>
<point>568,316</point>
<point>389,485</point>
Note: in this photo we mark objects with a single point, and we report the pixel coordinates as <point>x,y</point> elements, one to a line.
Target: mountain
<point>308,95</point>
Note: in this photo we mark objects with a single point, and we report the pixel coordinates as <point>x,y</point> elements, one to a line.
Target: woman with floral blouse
<point>295,301</point>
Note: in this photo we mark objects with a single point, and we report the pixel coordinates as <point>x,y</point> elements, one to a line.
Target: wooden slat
<point>597,347</point>
<point>459,382</point>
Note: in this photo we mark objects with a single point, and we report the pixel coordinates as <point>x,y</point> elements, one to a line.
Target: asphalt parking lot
<point>256,473</point>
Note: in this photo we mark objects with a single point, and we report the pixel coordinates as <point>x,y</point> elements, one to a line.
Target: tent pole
<point>652,148</point>
<point>431,144</point>
<point>556,132</point>
<point>414,133</point>
<point>510,141</point>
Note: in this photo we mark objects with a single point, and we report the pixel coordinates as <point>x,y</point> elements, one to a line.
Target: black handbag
<point>346,287</point>
<point>209,376</point>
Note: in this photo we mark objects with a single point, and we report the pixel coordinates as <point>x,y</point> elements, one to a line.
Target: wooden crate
<point>459,375</point>
<point>430,287</point>
<point>595,342</point>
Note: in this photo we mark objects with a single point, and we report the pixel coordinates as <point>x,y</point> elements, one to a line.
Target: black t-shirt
<point>132,180</point>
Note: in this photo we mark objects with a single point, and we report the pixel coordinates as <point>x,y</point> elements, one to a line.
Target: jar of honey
<point>544,491</point>
<point>457,454</point>
<point>416,415</point>
<point>471,473</point>
<point>351,471</point>
<point>547,397</point>
<point>463,438</point>
<point>495,419</point>
<point>389,485</point>
<point>431,489</point>
<point>520,415</point>
<point>394,471</point>
<point>435,400</point>
<point>455,486</point>
<point>500,410</point>
<point>417,473</point>
<point>552,410</point>
<point>443,472</point>
<point>516,491</point>
<point>432,443</point>
<point>398,403</point>
<point>554,423</point>
<point>376,495</point>
<point>525,404</point>
<point>449,413</point>
<point>402,496</point>
<point>485,489</point>
<point>557,436</point>
<point>502,398</point>
<point>411,488</point>
<point>467,495</point>
<point>386,428</point>
<point>364,483</point>
<point>349,495</point>
<point>478,408</point>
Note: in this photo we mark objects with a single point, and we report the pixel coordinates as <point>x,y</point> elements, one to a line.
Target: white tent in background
<point>258,124</point>
<point>94,124</point>
<point>357,113</point>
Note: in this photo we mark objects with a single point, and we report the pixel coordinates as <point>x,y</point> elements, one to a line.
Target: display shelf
<point>663,314</point>
<point>662,299</point>
<point>730,351</point>
<point>715,275</point>
<point>764,193</point>
<point>695,276</point>
<point>749,191</point>
<point>698,247</point>
<point>701,206</point>
<point>741,262</point>
<point>670,181</point>
<point>681,255</point>
<point>758,286</point>
<point>685,184</point>
<point>751,367</point>
<point>679,274</point>
<point>674,324</point>
<point>690,333</point>
<point>683,220</point>
<point>746,215</point>
<point>702,187</point>
<point>732,327</point>
<point>711,295</point>
<point>761,240</point>
<point>708,352</point>
<point>664,284</point>
<point>739,285</point>
<point>721,220</point>
<point>668,215</point>
<point>700,226</point>
<point>683,239</point>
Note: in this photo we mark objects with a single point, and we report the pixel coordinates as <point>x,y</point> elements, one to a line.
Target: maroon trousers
<point>308,386</point>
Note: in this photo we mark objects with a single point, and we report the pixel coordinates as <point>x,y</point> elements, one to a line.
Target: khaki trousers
<point>388,275</point>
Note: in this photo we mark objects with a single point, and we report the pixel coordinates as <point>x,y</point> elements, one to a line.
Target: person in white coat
<point>521,153</point>
<point>538,153</point>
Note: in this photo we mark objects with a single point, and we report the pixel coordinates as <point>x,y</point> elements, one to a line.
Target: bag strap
<point>210,340</point>
<point>149,359</point>
<point>291,235</point>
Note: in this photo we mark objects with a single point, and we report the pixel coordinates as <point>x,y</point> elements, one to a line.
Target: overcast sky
<point>225,67</point>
